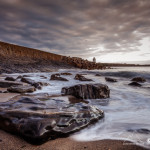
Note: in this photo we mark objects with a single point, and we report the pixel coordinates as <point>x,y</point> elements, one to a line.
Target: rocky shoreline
<point>38,118</point>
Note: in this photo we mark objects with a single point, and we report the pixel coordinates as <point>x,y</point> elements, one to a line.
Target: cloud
<point>77,28</point>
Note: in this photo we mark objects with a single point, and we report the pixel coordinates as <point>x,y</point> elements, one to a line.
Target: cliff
<point>14,58</point>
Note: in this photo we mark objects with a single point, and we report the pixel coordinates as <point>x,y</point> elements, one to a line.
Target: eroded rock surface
<point>21,89</point>
<point>81,78</point>
<point>38,121</point>
<point>87,91</point>
<point>57,77</point>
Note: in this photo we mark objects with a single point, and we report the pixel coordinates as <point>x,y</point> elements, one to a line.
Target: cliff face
<point>10,50</point>
<point>14,58</point>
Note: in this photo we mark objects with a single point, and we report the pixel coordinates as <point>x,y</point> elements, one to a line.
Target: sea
<point>127,111</point>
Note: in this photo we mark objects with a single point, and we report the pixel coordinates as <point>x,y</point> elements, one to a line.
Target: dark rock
<point>26,80</point>
<point>6,84</point>
<point>33,83</point>
<point>66,73</point>
<point>142,131</point>
<point>39,121</point>
<point>43,77</point>
<point>21,89</point>
<point>57,77</point>
<point>27,75</point>
<point>138,79</point>
<point>10,79</point>
<point>135,84</point>
<point>19,77</point>
<point>81,78</point>
<point>87,91</point>
<point>98,75</point>
<point>110,79</point>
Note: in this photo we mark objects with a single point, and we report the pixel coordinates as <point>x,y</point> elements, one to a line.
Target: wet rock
<point>110,79</point>
<point>138,79</point>
<point>87,91</point>
<point>135,84</point>
<point>66,73</point>
<point>19,77</point>
<point>98,75</point>
<point>10,79</point>
<point>6,84</point>
<point>81,78</point>
<point>43,77</point>
<point>38,121</point>
<point>21,89</point>
<point>57,77</point>
<point>26,80</point>
<point>142,131</point>
<point>32,82</point>
<point>27,75</point>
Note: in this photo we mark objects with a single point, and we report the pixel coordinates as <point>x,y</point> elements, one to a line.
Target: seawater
<point>127,111</point>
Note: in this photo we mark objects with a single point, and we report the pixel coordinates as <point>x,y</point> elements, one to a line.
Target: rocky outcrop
<point>81,78</point>
<point>138,79</point>
<point>38,121</point>
<point>135,84</point>
<point>6,84</point>
<point>10,79</point>
<point>66,73</point>
<point>21,89</point>
<point>110,79</point>
<point>82,64</point>
<point>87,91</point>
<point>33,83</point>
<point>98,74</point>
<point>57,77</point>
<point>14,58</point>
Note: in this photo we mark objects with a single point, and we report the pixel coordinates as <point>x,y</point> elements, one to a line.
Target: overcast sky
<point>110,30</point>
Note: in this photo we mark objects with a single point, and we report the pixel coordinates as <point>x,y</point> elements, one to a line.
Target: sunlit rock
<point>87,91</point>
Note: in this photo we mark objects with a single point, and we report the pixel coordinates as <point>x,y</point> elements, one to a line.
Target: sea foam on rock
<point>38,121</point>
<point>87,91</point>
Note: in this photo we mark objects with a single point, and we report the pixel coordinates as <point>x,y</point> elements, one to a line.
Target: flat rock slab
<point>4,97</point>
<point>21,89</point>
<point>87,91</point>
<point>6,84</point>
<point>38,121</point>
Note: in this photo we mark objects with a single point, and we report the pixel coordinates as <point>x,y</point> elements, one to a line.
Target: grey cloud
<point>74,27</point>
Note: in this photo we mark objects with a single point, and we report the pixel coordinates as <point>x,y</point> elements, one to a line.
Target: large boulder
<point>87,91</point>
<point>10,79</point>
<point>110,79</point>
<point>21,89</point>
<point>81,78</point>
<point>138,79</point>
<point>38,121</point>
<point>57,77</point>
<point>6,84</point>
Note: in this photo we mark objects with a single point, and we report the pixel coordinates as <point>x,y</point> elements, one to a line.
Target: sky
<point>110,30</point>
